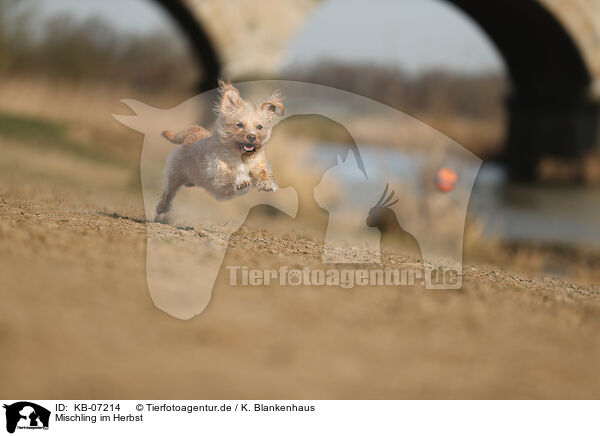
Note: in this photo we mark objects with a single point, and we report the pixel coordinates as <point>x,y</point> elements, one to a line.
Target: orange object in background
<point>445,179</point>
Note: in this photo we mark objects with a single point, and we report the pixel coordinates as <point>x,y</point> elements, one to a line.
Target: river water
<point>538,213</point>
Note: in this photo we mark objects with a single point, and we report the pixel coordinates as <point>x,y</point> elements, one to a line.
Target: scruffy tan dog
<point>230,160</point>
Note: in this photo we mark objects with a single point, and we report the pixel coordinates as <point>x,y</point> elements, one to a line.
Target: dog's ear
<point>273,106</point>
<point>230,97</point>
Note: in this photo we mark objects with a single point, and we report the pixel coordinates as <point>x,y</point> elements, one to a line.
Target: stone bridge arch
<point>551,49</point>
<point>552,108</point>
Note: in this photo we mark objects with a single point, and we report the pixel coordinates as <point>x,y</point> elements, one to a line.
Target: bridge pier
<point>550,111</point>
<point>550,126</point>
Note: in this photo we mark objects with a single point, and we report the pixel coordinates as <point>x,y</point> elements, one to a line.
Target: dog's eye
<point>240,125</point>
<point>259,127</point>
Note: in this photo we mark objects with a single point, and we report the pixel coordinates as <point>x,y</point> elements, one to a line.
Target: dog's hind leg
<point>172,184</point>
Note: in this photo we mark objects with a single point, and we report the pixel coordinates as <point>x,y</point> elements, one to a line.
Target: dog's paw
<point>267,186</point>
<point>163,218</point>
<point>242,186</point>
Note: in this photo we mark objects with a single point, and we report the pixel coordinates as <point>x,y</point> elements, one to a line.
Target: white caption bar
<point>23,417</point>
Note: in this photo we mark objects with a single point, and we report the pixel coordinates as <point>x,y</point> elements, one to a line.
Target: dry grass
<point>83,110</point>
<point>568,170</point>
<point>482,137</point>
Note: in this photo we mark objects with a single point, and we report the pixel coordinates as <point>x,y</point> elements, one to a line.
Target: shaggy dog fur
<point>232,159</point>
<point>190,135</point>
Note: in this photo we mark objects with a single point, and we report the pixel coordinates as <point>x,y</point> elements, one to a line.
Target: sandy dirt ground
<point>77,320</point>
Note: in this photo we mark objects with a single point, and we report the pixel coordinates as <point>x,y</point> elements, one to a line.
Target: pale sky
<point>133,15</point>
<point>415,35</point>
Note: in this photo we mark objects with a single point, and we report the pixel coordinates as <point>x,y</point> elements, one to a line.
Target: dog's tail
<point>171,136</point>
<point>190,135</point>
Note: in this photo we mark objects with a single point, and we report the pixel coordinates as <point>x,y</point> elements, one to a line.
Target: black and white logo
<point>26,415</point>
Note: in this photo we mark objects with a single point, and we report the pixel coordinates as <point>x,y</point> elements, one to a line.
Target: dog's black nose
<point>251,137</point>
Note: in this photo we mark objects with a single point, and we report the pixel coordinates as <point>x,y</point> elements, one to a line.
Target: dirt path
<point>77,321</point>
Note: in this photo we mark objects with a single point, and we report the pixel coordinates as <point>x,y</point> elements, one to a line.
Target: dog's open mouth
<point>247,147</point>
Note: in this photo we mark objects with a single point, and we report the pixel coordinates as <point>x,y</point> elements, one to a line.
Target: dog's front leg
<point>242,182</point>
<point>262,176</point>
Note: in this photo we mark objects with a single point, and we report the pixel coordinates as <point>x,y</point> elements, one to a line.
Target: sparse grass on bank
<point>47,134</point>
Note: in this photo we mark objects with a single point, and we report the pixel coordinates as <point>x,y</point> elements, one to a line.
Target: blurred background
<point>66,65</point>
<point>513,82</point>
<point>518,105</point>
<point>425,58</point>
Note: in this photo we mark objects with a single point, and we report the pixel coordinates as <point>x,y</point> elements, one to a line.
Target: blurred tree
<point>439,93</point>
<point>63,48</point>
<point>15,35</point>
